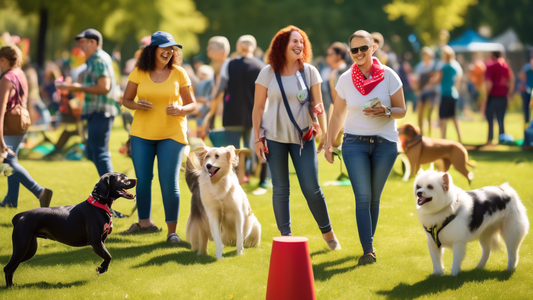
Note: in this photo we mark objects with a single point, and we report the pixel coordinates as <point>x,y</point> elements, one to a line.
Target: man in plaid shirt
<point>100,106</point>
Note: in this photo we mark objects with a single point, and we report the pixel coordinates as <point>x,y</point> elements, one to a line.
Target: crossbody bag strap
<point>289,112</point>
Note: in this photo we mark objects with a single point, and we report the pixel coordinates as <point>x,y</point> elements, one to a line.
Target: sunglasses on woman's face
<point>362,48</point>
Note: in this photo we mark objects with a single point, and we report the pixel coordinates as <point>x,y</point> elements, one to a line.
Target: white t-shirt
<point>356,122</point>
<point>276,122</point>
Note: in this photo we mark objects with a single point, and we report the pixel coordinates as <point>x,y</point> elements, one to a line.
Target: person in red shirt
<point>499,82</point>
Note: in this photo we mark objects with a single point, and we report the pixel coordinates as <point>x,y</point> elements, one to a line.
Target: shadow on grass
<point>325,270</point>
<point>499,156</point>
<point>436,284</point>
<point>48,286</point>
<point>74,255</point>
<point>6,225</point>
<point>182,258</point>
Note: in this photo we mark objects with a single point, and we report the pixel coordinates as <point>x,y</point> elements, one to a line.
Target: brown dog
<point>422,150</point>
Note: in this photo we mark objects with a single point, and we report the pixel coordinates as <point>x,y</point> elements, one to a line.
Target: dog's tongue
<point>125,194</point>
<point>421,200</point>
<point>214,171</point>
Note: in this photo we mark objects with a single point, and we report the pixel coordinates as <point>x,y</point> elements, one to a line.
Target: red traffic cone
<point>291,274</point>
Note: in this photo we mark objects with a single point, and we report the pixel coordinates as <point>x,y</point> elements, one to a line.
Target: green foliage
<point>116,19</point>
<point>428,17</point>
<point>145,267</point>
<point>500,15</point>
<point>325,21</point>
<point>180,18</point>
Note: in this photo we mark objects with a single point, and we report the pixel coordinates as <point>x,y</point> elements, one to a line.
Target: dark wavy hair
<point>146,61</point>
<point>278,48</point>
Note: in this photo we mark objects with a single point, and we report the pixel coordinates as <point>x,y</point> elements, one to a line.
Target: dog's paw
<point>438,272</point>
<point>455,272</point>
<point>101,270</point>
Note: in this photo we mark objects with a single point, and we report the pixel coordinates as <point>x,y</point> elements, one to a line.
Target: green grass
<point>145,267</point>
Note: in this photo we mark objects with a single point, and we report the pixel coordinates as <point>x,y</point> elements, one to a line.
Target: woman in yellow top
<point>159,128</point>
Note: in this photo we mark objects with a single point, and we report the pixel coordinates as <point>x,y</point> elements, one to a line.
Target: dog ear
<point>102,188</point>
<point>415,129</point>
<point>233,156</point>
<point>446,182</point>
<point>201,152</point>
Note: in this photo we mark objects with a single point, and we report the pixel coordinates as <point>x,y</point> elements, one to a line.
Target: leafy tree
<point>429,17</point>
<point>499,15</point>
<point>116,19</point>
<point>324,21</point>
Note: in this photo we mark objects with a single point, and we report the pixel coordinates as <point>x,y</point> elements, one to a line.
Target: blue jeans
<point>526,99</point>
<point>168,152</point>
<point>97,150</point>
<point>306,167</point>
<point>369,160</point>
<point>20,175</point>
<point>495,106</point>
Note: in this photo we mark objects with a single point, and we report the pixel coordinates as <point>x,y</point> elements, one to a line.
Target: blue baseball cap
<point>163,39</point>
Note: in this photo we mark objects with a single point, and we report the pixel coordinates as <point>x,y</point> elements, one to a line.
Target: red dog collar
<point>99,205</point>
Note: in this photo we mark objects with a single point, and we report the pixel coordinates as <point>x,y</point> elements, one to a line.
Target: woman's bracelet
<point>257,141</point>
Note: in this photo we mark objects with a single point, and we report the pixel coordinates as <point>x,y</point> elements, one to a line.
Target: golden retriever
<point>220,210</point>
<point>422,150</point>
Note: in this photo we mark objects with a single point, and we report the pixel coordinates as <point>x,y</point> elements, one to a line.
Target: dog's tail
<point>197,231</point>
<point>192,171</point>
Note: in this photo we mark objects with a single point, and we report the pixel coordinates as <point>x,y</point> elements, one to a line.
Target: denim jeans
<point>495,106</point>
<point>168,152</point>
<point>526,99</point>
<point>20,175</point>
<point>97,150</point>
<point>306,166</point>
<point>369,160</point>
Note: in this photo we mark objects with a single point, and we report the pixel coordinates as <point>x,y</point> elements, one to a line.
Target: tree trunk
<point>41,42</point>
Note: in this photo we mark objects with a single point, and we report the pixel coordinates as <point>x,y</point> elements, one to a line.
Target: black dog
<point>88,223</point>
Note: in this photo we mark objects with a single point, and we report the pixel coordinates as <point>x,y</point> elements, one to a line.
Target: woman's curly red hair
<point>278,48</point>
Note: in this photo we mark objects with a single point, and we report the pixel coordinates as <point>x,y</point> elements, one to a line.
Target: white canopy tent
<point>509,39</point>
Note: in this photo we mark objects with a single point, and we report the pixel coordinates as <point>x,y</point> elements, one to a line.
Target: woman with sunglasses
<point>289,76</point>
<point>369,146</point>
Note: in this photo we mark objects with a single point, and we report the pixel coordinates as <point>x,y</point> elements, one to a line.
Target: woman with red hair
<point>285,90</point>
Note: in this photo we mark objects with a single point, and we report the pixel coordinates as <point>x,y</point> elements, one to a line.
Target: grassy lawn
<point>146,267</point>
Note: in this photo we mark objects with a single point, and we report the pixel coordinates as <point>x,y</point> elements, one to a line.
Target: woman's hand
<point>328,154</point>
<point>4,151</point>
<point>260,150</point>
<point>175,110</point>
<point>144,104</point>
<point>378,111</point>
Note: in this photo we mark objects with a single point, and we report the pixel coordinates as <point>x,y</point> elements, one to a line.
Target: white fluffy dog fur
<point>220,210</point>
<point>479,214</point>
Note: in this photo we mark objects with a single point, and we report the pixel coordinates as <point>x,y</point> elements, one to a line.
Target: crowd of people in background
<point>90,85</point>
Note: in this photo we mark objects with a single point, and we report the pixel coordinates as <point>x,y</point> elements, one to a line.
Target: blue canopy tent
<point>471,41</point>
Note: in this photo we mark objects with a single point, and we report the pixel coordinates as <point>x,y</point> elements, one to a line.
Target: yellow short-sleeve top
<point>155,124</point>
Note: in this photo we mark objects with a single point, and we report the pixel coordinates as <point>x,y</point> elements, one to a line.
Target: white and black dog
<point>452,217</point>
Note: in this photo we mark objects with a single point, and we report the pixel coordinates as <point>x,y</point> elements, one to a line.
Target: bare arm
<point>316,98</point>
<point>510,93</point>
<point>397,108</point>
<point>212,112</point>
<point>129,95</point>
<point>102,87</point>
<point>5,90</point>
<point>189,103</point>
<point>260,98</point>
<point>335,124</point>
